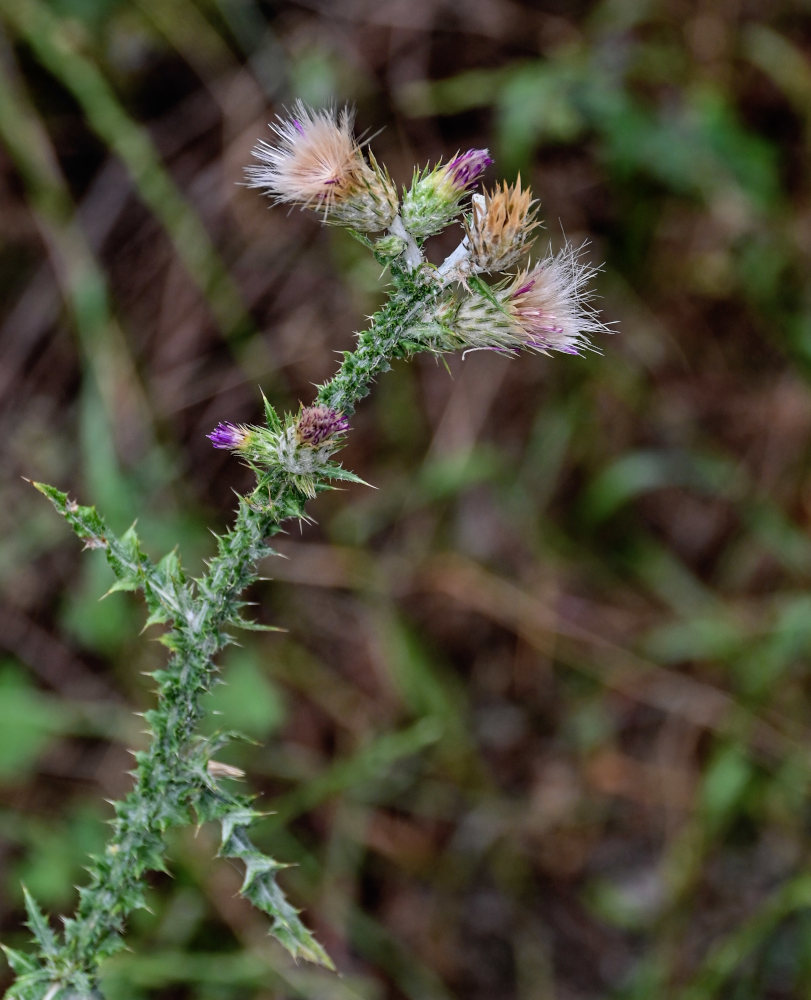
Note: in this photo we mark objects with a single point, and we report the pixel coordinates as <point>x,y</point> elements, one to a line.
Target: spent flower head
<point>436,196</point>
<point>317,163</point>
<point>501,226</point>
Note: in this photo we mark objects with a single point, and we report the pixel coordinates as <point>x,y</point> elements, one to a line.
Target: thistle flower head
<point>317,163</point>
<point>500,227</point>
<point>545,308</point>
<point>304,446</point>
<point>228,435</point>
<point>550,304</point>
<point>436,196</point>
<point>465,170</point>
<point>316,424</point>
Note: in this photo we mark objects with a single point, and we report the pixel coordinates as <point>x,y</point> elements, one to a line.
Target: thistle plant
<point>314,161</point>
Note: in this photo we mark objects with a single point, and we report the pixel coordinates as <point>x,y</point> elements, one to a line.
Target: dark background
<point>539,726</point>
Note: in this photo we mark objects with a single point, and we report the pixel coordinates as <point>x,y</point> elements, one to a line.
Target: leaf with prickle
<point>265,893</point>
<point>249,626</point>
<point>262,889</point>
<point>85,521</point>
<point>271,417</point>
<point>338,472</point>
<point>32,985</point>
<point>39,926</point>
<point>260,885</point>
<point>21,963</point>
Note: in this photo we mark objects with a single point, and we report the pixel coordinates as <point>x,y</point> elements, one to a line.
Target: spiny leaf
<point>169,567</point>
<point>85,521</point>
<point>131,545</point>
<point>338,472</point>
<point>271,417</point>
<point>57,497</point>
<point>21,963</point>
<point>32,986</point>
<point>233,828</point>
<point>40,928</point>
<point>262,889</point>
<point>157,617</point>
<point>257,866</point>
<point>245,623</point>
<point>127,582</point>
<point>286,926</point>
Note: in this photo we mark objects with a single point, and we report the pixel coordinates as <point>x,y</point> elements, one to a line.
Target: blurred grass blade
<point>114,379</point>
<point>50,41</point>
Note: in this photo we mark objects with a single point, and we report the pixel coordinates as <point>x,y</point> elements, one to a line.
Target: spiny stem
<point>170,773</point>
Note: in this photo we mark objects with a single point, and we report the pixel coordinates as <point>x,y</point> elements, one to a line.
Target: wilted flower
<point>500,227</point>
<point>317,163</point>
<point>316,424</point>
<point>436,196</point>
<point>228,435</point>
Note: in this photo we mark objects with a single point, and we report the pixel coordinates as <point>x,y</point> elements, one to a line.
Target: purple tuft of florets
<point>227,435</point>
<point>317,423</point>
<point>466,170</point>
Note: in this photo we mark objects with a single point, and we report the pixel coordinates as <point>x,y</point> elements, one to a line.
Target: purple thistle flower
<point>437,195</point>
<point>551,304</point>
<point>227,435</point>
<point>465,171</point>
<point>317,423</point>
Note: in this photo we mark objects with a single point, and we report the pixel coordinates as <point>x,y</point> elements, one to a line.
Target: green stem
<point>171,780</point>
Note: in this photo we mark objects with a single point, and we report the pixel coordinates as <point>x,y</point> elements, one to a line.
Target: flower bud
<point>389,247</point>
<point>436,196</point>
<point>228,435</point>
<point>318,164</point>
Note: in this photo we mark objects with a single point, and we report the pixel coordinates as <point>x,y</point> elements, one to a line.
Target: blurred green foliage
<point>539,726</point>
